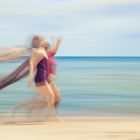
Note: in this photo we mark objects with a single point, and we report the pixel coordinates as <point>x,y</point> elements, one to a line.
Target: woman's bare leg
<point>47,91</point>
<point>22,105</point>
<point>55,89</point>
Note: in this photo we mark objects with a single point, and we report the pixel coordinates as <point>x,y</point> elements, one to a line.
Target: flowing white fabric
<point>11,53</point>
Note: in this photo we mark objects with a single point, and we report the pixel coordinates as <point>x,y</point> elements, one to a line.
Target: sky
<point>88,27</point>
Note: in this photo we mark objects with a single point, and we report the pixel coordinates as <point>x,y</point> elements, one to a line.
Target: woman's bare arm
<point>54,49</point>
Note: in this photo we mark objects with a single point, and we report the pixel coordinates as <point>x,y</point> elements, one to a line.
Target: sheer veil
<point>14,53</point>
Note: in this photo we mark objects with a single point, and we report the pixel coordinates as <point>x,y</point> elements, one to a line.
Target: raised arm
<point>54,49</point>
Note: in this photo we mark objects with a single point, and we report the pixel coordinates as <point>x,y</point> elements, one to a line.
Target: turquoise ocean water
<point>90,86</point>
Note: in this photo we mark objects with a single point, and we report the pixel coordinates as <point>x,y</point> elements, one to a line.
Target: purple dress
<point>42,71</point>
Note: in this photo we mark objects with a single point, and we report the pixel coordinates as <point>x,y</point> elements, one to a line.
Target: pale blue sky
<point>89,27</point>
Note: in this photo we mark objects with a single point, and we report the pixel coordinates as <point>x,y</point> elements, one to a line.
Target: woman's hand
<point>57,45</point>
<point>59,39</point>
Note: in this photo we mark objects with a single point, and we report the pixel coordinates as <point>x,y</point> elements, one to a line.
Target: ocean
<point>90,86</point>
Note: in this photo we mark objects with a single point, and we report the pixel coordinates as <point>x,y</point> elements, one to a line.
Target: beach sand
<point>76,128</point>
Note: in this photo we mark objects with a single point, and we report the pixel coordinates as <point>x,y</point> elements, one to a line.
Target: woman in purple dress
<point>39,62</point>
